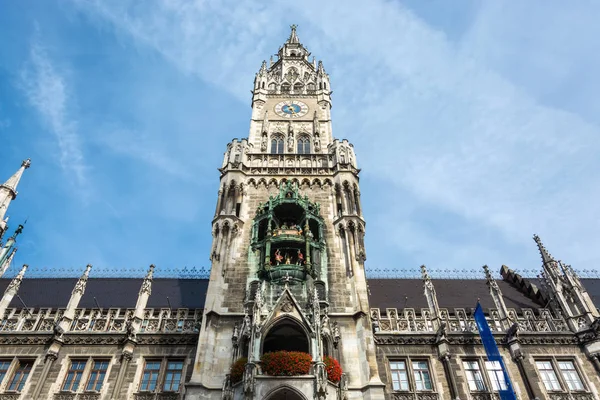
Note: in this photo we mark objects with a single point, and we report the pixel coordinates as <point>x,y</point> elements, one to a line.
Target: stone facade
<point>288,274</point>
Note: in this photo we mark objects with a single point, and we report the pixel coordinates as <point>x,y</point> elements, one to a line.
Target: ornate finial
<point>26,163</point>
<point>18,231</point>
<point>546,256</point>
<point>293,36</point>
<point>263,67</point>
<point>147,284</point>
<point>424,274</point>
<point>81,283</point>
<point>16,282</point>
<point>491,282</point>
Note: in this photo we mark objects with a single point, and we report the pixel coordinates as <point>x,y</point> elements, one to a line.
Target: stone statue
<point>263,142</point>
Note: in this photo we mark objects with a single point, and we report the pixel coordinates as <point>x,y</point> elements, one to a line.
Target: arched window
<point>272,86</point>
<point>311,86</point>
<point>277,145</point>
<point>263,85</point>
<point>297,87</point>
<point>286,335</point>
<point>285,87</point>
<point>303,145</point>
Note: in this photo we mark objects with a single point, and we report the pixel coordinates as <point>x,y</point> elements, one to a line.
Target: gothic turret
<point>8,192</point>
<point>566,293</point>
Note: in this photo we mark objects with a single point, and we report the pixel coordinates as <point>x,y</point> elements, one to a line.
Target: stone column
<point>49,360</point>
<point>450,376</point>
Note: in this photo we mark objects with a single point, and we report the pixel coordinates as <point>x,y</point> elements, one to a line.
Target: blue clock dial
<point>291,109</point>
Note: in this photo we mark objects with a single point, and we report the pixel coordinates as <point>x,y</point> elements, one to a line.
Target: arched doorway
<point>285,393</point>
<point>286,335</point>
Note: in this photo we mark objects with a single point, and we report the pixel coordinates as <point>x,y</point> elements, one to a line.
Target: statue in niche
<point>300,258</point>
<point>278,257</point>
<point>317,143</point>
<point>263,143</point>
<point>288,259</point>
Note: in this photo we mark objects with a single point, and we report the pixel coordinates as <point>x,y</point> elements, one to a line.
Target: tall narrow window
<point>496,375</point>
<point>303,145</point>
<point>74,375</point>
<point>570,375</point>
<point>277,145</point>
<point>97,375</point>
<point>20,376</point>
<point>548,375</point>
<point>150,376</point>
<point>422,376</point>
<point>474,376</point>
<point>399,375</point>
<point>173,376</point>
<point>4,366</point>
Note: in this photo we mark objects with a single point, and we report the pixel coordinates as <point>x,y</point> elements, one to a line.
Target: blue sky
<point>476,124</point>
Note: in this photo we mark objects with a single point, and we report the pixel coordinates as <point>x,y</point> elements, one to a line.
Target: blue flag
<point>492,352</point>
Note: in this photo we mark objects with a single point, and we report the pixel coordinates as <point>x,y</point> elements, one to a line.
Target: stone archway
<point>284,393</point>
<point>286,335</point>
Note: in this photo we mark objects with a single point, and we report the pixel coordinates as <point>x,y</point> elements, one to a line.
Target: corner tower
<point>288,250</point>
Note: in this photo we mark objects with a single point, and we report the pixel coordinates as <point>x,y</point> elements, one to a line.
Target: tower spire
<point>8,250</point>
<point>8,192</point>
<point>293,35</point>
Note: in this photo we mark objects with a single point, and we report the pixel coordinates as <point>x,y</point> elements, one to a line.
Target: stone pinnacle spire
<point>546,256</point>
<point>293,36</point>
<point>8,192</point>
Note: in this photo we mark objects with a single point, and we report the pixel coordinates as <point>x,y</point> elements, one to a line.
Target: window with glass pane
<point>173,376</point>
<point>97,375</point>
<point>399,375</point>
<point>422,376</point>
<point>150,376</point>
<point>74,375</point>
<point>303,146</point>
<point>570,375</point>
<point>4,366</point>
<point>20,376</point>
<point>277,146</point>
<point>474,376</point>
<point>548,375</point>
<point>494,370</point>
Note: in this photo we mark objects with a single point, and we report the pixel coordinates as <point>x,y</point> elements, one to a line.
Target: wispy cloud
<point>439,123</point>
<point>47,91</point>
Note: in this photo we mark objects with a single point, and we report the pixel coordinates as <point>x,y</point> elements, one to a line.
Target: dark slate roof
<point>451,293</point>
<point>454,293</point>
<point>109,292</point>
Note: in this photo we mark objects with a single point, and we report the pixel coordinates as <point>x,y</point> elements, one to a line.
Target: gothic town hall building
<point>288,312</point>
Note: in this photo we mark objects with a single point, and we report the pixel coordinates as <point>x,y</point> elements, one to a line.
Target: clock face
<point>291,109</point>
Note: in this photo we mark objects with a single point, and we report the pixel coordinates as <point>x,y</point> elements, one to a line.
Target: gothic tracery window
<point>303,145</point>
<point>277,145</point>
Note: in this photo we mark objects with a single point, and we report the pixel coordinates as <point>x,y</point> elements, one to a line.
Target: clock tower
<point>288,251</point>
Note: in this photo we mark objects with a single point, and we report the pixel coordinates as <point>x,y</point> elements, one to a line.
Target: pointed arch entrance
<point>286,335</point>
<point>285,393</point>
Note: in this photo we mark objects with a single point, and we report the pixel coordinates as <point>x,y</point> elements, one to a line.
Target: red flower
<point>237,370</point>
<point>286,363</point>
<point>334,370</point>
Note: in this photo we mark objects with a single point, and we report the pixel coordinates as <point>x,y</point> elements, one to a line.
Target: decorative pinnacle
<point>150,273</point>
<point>546,256</point>
<point>488,274</point>
<point>424,274</point>
<point>293,36</point>
<point>26,163</point>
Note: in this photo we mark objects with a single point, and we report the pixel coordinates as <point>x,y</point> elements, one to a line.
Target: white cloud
<point>47,91</point>
<point>435,120</point>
